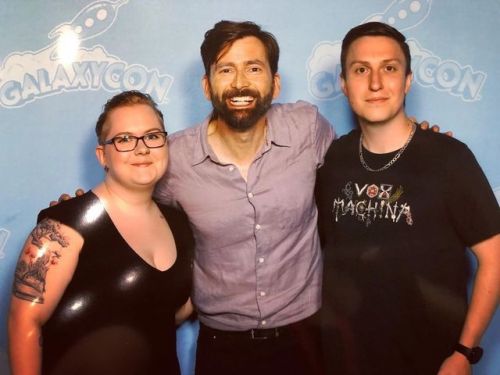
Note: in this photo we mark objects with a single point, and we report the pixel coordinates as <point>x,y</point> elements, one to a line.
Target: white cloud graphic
<point>323,69</point>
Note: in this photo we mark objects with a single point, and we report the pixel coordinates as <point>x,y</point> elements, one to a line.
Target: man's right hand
<point>65,197</point>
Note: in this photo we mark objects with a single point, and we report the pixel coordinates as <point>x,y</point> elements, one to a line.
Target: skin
<point>376,86</point>
<point>50,254</point>
<point>138,169</point>
<point>28,312</point>
<point>484,301</point>
<point>244,65</point>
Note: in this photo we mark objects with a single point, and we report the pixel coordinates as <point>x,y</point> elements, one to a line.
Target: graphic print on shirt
<point>369,202</point>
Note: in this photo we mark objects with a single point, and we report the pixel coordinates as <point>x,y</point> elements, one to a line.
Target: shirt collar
<point>276,134</point>
<point>201,150</point>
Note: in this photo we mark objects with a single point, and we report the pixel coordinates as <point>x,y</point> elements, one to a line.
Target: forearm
<point>484,301</point>
<point>184,312</point>
<point>485,294</point>
<point>25,351</point>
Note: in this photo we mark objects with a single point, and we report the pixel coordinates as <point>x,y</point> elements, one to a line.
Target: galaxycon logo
<point>429,70</point>
<point>64,66</point>
<point>4,236</point>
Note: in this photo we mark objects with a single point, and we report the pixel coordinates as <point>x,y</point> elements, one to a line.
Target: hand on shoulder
<point>424,125</point>
<point>65,197</point>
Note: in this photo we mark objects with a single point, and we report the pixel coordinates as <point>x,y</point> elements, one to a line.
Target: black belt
<point>256,333</point>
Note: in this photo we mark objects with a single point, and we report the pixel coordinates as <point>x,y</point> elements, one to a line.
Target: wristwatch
<point>473,355</point>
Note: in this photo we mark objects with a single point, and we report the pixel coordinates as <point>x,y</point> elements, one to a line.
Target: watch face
<point>475,355</point>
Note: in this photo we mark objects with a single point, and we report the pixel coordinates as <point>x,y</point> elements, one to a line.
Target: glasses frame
<point>111,141</point>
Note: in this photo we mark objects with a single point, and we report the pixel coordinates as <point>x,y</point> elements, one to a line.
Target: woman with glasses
<point>103,278</point>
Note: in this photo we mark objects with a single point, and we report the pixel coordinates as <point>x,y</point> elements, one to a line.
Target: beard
<point>241,119</point>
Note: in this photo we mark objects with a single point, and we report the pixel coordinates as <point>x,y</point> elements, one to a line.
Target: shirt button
<point>250,195</point>
<point>260,260</point>
<point>262,294</point>
<point>257,227</point>
<point>263,322</point>
<point>231,168</point>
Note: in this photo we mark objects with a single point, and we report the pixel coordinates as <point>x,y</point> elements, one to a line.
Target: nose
<point>375,80</point>
<point>240,79</point>
<point>141,147</point>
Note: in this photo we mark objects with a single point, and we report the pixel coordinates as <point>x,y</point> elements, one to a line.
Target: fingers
<point>424,125</point>
<point>64,197</point>
<point>436,129</point>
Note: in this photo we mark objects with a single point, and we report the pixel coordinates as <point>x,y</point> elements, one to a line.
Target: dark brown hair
<point>225,33</point>
<point>374,29</point>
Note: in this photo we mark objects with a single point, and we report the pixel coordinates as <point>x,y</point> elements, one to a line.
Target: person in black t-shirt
<point>397,208</point>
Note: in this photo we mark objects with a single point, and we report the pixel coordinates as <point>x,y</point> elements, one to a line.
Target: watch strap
<point>473,355</point>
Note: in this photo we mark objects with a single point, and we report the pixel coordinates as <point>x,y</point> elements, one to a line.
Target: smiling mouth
<point>241,101</point>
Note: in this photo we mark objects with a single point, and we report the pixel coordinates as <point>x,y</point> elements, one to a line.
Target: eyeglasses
<point>125,143</point>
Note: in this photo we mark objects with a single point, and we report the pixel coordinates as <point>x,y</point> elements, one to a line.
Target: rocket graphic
<point>403,14</point>
<point>91,21</point>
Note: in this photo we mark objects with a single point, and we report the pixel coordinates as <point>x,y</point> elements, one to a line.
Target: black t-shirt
<point>116,315</point>
<point>396,269</point>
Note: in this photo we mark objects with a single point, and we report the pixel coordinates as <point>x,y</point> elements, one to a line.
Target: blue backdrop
<point>61,60</point>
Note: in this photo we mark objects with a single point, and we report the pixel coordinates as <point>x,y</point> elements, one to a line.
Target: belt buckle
<point>254,334</point>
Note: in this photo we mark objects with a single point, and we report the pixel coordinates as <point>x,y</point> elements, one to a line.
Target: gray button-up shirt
<point>257,260</point>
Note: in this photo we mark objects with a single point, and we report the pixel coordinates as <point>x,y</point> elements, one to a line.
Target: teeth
<point>241,99</point>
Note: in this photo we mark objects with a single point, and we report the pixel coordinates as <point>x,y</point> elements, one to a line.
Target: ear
<point>343,85</point>
<point>100,155</point>
<point>409,78</point>
<point>277,85</point>
<point>205,84</point>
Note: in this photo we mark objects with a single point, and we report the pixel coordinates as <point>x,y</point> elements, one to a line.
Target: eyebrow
<point>248,62</point>
<point>385,61</point>
<point>146,132</point>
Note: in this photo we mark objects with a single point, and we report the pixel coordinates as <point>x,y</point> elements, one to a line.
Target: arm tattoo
<point>31,270</point>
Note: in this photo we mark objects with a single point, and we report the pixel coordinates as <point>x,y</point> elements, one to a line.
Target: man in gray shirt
<point>245,178</point>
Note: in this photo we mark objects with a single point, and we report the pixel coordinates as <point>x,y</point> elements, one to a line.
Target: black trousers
<point>294,349</point>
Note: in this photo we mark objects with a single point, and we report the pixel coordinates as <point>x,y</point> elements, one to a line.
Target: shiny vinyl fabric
<point>117,313</point>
